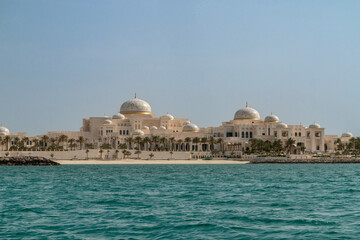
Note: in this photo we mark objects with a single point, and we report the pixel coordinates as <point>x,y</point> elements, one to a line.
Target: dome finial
<point>247,105</point>
<point>135,95</point>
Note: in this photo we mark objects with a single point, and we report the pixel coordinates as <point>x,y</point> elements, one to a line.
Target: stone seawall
<point>299,161</point>
<point>26,160</point>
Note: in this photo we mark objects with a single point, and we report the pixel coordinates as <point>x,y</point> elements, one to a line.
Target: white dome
<point>281,125</point>
<point>272,118</point>
<point>107,121</point>
<point>247,114</point>
<point>138,132</point>
<point>118,116</point>
<point>4,131</point>
<point>169,116</point>
<point>190,128</point>
<point>187,122</point>
<point>162,127</point>
<point>135,106</point>
<point>145,127</point>
<point>315,125</point>
<point>347,134</point>
<point>153,128</point>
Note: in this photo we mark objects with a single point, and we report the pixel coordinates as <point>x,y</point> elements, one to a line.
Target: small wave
<point>30,210</point>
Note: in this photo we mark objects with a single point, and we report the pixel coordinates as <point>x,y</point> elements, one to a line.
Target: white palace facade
<point>135,118</point>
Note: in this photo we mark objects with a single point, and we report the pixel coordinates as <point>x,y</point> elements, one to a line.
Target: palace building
<point>135,118</point>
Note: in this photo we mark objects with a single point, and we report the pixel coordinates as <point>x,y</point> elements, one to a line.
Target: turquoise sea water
<point>180,202</point>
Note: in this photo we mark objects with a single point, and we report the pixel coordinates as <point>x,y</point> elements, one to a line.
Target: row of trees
<point>41,144</point>
<point>63,142</point>
<point>156,143</point>
<point>351,147</point>
<point>259,146</point>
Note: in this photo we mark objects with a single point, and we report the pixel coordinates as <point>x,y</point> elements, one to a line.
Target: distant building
<point>136,119</point>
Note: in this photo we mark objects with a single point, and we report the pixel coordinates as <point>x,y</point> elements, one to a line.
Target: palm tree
<point>124,153</point>
<point>87,153</point>
<point>163,141</point>
<point>172,140</point>
<point>25,141</point>
<point>128,153</point>
<point>179,141</point>
<point>36,144</point>
<point>7,140</point>
<point>45,140</point>
<point>187,140</point>
<point>63,139</point>
<point>129,141</point>
<point>81,141</point>
<point>138,152</point>
<point>352,141</point>
<point>146,141</point>
<point>155,139</point>
<point>303,149</point>
<point>16,142</point>
<point>71,141</point>
<point>289,144</point>
<point>204,141</point>
<point>138,140</point>
<point>117,153</point>
<point>220,141</point>
<point>171,153</point>
<point>196,141</point>
<point>212,142</point>
<point>151,155</point>
<point>101,153</point>
<point>277,146</point>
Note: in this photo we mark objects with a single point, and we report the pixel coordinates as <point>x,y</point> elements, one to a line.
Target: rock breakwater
<point>26,160</point>
<point>299,161</point>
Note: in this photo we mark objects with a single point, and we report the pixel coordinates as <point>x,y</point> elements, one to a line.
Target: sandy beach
<point>140,161</point>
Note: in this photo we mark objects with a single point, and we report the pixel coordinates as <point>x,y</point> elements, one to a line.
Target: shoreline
<point>154,161</point>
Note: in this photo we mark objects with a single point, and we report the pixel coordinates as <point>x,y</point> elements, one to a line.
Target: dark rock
<point>27,160</point>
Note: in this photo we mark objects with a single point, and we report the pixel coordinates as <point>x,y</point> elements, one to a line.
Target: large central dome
<point>247,113</point>
<point>135,106</point>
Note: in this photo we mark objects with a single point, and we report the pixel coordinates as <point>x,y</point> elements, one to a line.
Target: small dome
<point>187,122</point>
<point>138,132</point>
<point>4,131</point>
<point>347,134</point>
<point>145,127</point>
<point>118,116</point>
<point>168,116</point>
<point>272,118</point>
<point>153,128</point>
<point>247,114</point>
<point>281,125</point>
<point>107,121</point>
<point>190,128</point>
<point>162,127</point>
<point>315,125</point>
<point>135,106</point>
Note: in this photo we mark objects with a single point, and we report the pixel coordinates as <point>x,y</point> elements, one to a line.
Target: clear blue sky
<point>61,61</point>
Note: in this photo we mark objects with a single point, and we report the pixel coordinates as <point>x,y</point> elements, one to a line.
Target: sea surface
<point>180,202</point>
